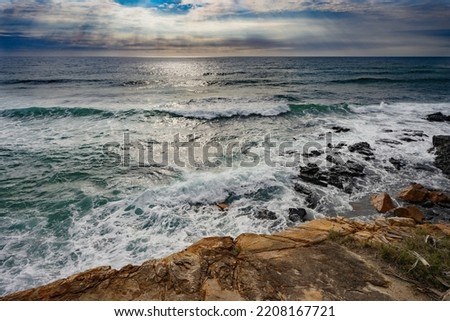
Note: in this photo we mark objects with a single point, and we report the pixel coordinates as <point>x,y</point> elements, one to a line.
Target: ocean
<point>115,161</point>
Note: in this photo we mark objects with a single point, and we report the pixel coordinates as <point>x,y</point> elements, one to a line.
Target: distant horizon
<point>58,55</point>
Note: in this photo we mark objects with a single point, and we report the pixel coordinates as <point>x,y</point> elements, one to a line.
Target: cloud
<point>327,27</point>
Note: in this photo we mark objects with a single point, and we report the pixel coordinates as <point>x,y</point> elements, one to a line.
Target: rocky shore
<point>327,259</point>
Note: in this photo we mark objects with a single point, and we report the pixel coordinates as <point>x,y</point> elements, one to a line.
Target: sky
<point>225,27</point>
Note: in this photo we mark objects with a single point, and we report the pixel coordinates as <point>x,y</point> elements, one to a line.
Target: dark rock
<point>334,159</point>
<point>340,145</point>
<point>442,160</point>
<point>297,214</point>
<point>339,129</point>
<point>310,169</point>
<point>339,175</point>
<point>422,167</point>
<point>428,204</point>
<point>356,168</point>
<point>362,148</point>
<point>438,117</point>
<point>317,180</point>
<point>312,201</point>
<point>441,141</point>
<point>417,133</point>
<point>408,139</point>
<point>312,174</point>
<point>388,141</point>
<point>397,163</point>
<point>302,189</point>
<point>336,180</point>
<point>314,153</point>
<point>266,215</point>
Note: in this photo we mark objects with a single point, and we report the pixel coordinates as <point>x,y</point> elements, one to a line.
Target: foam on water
<point>210,109</point>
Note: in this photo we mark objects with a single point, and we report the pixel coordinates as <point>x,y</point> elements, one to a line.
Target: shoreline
<point>89,285</point>
<point>294,264</point>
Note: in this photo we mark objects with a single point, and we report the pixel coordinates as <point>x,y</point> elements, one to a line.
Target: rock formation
<point>301,263</point>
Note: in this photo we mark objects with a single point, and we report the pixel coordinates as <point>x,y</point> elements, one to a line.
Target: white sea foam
<point>170,216</point>
<point>226,109</point>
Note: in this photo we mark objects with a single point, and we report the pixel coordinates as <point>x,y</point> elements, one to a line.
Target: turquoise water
<point>74,196</point>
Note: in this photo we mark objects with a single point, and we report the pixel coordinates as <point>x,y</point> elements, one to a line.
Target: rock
<point>382,202</point>
<point>340,175</point>
<point>388,141</point>
<point>408,139</point>
<point>442,160</point>
<point>302,189</point>
<point>416,133</point>
<point>415,193</point>
<point>314,153</point>
<point>291,265</point>
<point>438,117</point>
<point>397,163</point>
<point>297,214</point>
<point>438,197</point>
<point>339,129</point>
<point>441,141</point>
<point>362,148</point>
<point>223,206</point>
<point>410,212</point>
<point>355,168</point>
<point>266,215</point>
<point>446,296</point>
<point>312,174</point>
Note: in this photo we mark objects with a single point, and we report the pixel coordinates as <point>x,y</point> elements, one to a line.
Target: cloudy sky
<point>225,27</point>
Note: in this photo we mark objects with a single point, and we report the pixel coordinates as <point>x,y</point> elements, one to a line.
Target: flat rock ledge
<point>301,263</point>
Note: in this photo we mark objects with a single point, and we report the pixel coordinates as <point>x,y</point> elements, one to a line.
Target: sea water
<point>112,161</point>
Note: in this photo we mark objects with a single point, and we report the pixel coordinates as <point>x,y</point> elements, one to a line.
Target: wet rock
<point>302,189</point>
<point>415,193</point>
<point>388,141</point>
<point>382,202</point>
<point>397,163</point>
<point>355,168</point>
<point>223,206</point>
<point>438,197</point>
<point>334,159</point>
<point>410,212</point>
<point>311,199</point>
<point>254,267</point>
<point>426,168</point>
<point>312,174</point>
<point>408,139</point>
<point>314,153</point>
<point>442,160</point>
<point>339,175</point>
<point>427,204</point>
<point>266,215</point>
<point>438,117</point>
<point>362,148</point>
<point>297,214</point>
<point>339,129</point>
<point>416,133</point>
